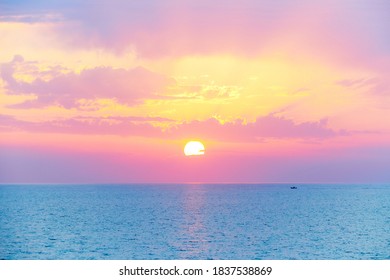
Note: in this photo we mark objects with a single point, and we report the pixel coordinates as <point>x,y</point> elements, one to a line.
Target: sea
<point>195,222</point>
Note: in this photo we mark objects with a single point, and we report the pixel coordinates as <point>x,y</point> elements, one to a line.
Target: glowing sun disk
<point>194,148</point>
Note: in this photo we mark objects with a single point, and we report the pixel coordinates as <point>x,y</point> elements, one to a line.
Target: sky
<point>277,91</point>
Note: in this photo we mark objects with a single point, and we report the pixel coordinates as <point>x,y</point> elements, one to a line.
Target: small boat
<point>293,188</point>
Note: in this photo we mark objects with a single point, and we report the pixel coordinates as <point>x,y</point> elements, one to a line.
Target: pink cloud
<point>154,28</point>
<point>348,30</point>
<point>126,86</point>
<point>175,28</point>
<point>264,127</point>
<point>352,83</point>
<point>376,86</point>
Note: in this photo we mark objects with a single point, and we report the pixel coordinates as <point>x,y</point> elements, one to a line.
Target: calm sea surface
<point>267,221</point>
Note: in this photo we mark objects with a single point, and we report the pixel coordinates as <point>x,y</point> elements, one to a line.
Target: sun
<point>194,148</point>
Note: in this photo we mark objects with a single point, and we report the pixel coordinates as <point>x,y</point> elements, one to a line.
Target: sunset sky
<point>277,91</point>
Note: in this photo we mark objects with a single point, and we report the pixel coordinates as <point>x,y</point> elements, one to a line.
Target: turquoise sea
<point>195,221</point>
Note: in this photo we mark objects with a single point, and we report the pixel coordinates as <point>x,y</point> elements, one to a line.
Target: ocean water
<point>195,221</point>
